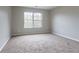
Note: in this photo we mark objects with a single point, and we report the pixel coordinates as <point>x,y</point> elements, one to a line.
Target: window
<point>32,20</point>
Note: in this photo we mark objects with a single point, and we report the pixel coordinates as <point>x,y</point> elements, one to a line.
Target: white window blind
<point>32,20</point>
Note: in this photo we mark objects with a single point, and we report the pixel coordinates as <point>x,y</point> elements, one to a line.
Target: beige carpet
<point>41,43</point>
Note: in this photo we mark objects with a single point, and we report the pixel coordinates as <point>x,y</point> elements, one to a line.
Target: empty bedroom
<point>39,29</point>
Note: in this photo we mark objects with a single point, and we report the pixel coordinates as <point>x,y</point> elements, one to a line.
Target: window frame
<point>33,21</point>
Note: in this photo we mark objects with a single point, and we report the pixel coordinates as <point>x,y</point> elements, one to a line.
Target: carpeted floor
<point>41,43</point>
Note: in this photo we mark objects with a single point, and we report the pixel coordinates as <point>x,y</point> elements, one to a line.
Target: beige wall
<point>5,17</point>
<point>65,22</point>
<point>18,21</point>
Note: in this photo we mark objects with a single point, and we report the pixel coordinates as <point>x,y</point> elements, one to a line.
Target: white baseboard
<point>29,34</point>
<point>66,37</point>
<point>4,44</point>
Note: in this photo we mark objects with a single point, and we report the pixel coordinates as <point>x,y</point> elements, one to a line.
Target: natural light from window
<point>32,20</point>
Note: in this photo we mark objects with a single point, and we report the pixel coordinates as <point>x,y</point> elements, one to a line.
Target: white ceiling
<point>43,7</point>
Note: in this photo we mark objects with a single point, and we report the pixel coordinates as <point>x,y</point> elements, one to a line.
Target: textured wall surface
<point>5,16</point>
<point>65,21</point>
<point>18,21</point>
